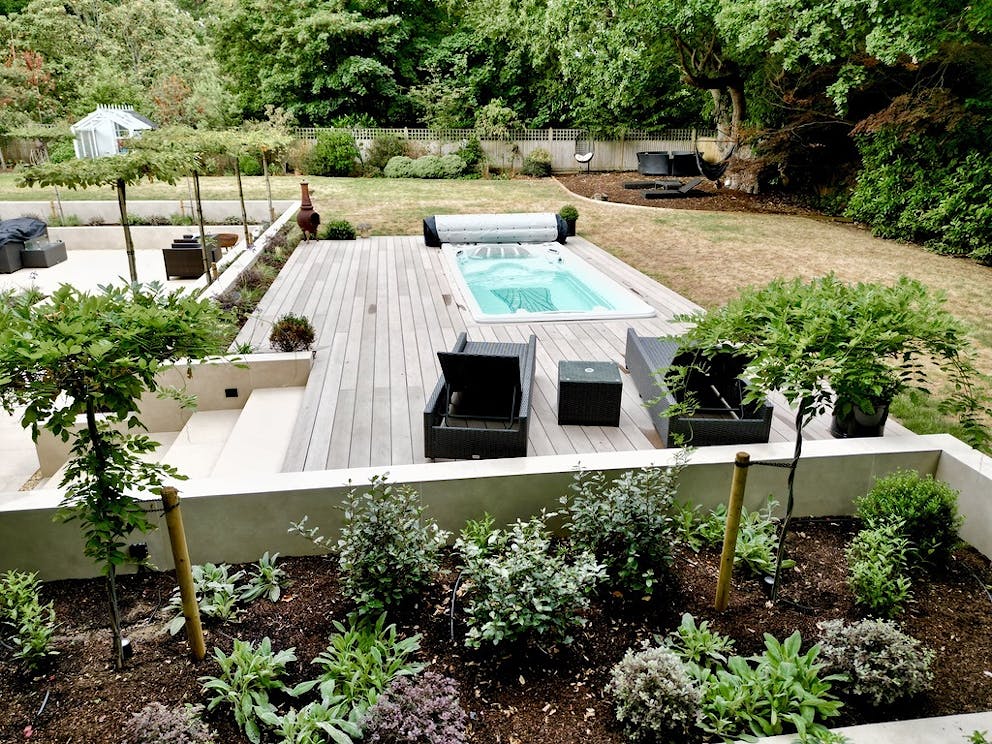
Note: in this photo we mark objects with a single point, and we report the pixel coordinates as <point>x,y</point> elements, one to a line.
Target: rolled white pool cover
<point>521,227</point>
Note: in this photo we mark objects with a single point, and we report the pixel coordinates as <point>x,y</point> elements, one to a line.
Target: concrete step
<point>195,449</point>
<point>260,439</point>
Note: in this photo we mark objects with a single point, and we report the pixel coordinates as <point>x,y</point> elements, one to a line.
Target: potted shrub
<point>850,348</point>
<point>570,214</point>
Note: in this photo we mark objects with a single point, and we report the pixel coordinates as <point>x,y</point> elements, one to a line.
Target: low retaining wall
<point>238,519</point>
<point>145,237</point>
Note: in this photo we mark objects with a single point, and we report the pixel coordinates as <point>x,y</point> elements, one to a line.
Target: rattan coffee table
<point>589,393</point>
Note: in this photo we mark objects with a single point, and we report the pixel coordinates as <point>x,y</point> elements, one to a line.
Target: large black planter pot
<point>857,423</point>
<point>570,228</point>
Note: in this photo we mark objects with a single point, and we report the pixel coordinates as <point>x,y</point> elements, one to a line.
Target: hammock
<point>713,171</point>
<point>531,299</point>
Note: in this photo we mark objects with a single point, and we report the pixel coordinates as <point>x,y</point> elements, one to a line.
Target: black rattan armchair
<point>480,407</point>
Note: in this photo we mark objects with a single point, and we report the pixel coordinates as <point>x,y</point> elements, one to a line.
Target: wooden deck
<point>383,306</point>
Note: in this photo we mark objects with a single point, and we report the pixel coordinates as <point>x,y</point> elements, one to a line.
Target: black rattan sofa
<point>720,416</point>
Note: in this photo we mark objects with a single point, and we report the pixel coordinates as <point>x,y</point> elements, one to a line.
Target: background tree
<point>85,355</point>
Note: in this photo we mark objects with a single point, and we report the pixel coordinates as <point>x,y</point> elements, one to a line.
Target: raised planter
<point>653,163</point>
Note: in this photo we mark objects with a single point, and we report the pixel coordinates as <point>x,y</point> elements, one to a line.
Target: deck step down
<point>260,438</point>
<point>197,446</point>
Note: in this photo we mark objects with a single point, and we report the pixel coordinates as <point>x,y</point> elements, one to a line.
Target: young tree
<point>91,356</point>
<point>116,171</point>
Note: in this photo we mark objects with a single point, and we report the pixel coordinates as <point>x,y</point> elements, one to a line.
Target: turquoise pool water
<point>513,282</point>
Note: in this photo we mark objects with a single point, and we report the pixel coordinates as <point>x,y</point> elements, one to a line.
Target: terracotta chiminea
<point>306,218</point>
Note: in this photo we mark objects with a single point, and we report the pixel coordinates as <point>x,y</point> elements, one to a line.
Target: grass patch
<point>917,411</point>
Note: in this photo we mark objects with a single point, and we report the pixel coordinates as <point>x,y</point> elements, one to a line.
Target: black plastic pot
<point>570,228</point>
<point>653,163</point>
<point>857,423</point>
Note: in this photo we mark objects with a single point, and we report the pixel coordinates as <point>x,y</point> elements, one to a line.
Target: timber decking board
<point>383,307</point>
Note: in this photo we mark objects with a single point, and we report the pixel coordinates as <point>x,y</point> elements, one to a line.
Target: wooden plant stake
<point>184,573</point>
<point>741,464</point>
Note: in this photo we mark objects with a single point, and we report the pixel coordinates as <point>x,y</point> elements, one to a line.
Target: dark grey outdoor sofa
<point>720,418</point>
<point>480,407</point>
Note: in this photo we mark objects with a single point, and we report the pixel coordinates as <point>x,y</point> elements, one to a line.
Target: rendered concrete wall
<point>219,210</point>
<point>238,519</point>
<point>145,237</point>
<point>208,381</point>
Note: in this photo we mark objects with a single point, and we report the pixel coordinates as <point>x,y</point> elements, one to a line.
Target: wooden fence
<point>613,154</point>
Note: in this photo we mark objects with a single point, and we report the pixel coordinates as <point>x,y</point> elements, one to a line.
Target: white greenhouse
<point>100,132</point>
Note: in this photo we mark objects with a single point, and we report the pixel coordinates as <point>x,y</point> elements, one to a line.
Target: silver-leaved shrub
<point>881,663</point>
<point>522,587</point>
<point>655,699</point>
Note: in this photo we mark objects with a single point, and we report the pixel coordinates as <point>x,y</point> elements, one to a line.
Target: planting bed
<point>538,696</point>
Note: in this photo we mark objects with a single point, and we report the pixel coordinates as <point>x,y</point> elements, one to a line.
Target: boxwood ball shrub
<point>336,230</point>
<point>927,508</point>
<point>292,333</point>
<point>399,166</point>
<point>388,551</point>
<point>655,698</point>
<point>523,588</point>
<point>881,663</point>
<point>418,710</point>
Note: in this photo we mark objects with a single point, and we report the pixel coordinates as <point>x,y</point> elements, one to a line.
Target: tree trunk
<point>268,186</point>
<point>241,196</point>
<point>96,442</point>
<point>205,249</point>
<point>128,242</point>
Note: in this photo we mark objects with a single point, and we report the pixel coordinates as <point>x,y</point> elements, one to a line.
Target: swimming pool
<point>518,283</point>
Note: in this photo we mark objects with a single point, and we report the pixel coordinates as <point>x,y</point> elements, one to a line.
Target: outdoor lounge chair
<point>480,407</point>
<point>720,417</point>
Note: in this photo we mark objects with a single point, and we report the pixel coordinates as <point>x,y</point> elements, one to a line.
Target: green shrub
<point>399,166</point>
<point>26,625</point>
<point>654,697</point>
<point>878,567</point>
<point>520,588</point>
<point>336,230</point>
<point>537,163</point>
<point>472,153</point>
<point>61,151</point>
<point>334,154</point>
<point>292,333</point>
<point>387,551</point>
<point>156,724</point>
<point>250,165</point>
<point>362,659</point>
<point>626,523</point>
<point>929,186</point>
<point>569,212</point>
<point>452,166</point>
<point>881,663</point>
<point>926,507</point>
<point>383,148</point>
<point>428,166</point>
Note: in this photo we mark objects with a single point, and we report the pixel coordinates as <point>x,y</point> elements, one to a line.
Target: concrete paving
<point>943,730</point>
<point>18,460</point>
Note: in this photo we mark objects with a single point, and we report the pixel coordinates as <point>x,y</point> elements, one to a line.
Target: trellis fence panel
<point>617,154</point>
